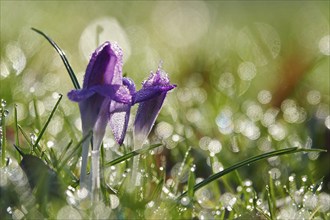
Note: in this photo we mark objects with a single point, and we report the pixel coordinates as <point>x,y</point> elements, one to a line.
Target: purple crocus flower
<point>105,98</point>
<point>106,95</point>
<point>151,98</point>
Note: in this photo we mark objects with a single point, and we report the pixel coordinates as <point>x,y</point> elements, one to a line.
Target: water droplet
<point>193,168</point>
<point>185,201</point>
<point>82,193</point>
<point>247,183</point>
<point>50,144</point>
<point>5,112</point>
<point>275,173</point>
<point>259,202</point>
<point>9,210</point>
<point>324,45</point>
<point>3,103</point>
<point>327,122</point>
<point>33,138</point>
<point>114,201</point>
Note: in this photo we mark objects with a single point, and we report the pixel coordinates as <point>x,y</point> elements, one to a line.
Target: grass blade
<point>36,112</point>
<point>64,161</point>
<point>249,161</point>
<point>3,136</point>
<point>16,126</point>
<point>26,137</point>
<point>191,183</point>
<point>63,57</point>
<point>131,154</point>
<point>48,120</point>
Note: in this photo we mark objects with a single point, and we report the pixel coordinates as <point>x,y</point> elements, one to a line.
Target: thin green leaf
<point>53,158</point>
<point>3,137</point>
<point>26,137</point>
<point>36,112</point>
<point>131,154</point>
<point>157,192</point>
<point>191,183</point>
<point>249,161</point>
<point>271,197</point>
<point>16,126</point>
<point>63,57</point>
<point>47,122</point>
<point>270,204</point>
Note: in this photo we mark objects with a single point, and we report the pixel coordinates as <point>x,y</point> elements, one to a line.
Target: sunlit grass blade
<point>48,120</point>
<point>157,192</point>
<point>271,197</point>
<point>26,137</point>
<point>36,112</point>
<point>63,57</point>
<point>53,158</point>
<point>250,161</point>
<point>3,137</point>
<point>16,126</point>
<point>64,161</point>
<point>131,154</point>
<point>270,203</point>
<point>191,183</point>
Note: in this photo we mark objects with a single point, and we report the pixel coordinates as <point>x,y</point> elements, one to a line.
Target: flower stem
<point>135,168</point>
<point>95,175</point>
<point>83,170</point>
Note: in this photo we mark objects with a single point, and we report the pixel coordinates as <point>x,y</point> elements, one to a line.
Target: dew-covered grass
<point>245,135</point>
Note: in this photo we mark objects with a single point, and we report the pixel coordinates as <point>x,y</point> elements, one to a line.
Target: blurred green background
<point>251,76</point>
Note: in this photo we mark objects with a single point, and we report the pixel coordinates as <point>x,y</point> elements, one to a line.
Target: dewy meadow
<point>195,110</point>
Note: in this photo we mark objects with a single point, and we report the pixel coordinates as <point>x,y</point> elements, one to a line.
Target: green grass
<point>224,146</point>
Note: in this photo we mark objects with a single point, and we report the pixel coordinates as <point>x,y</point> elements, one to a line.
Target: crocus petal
<point>80,95</point>
<point>105,66</point>
<point>129,84</point>
<point>151,92</point>
<point>89,111</point>
<point>119,116</point>
<point>119,93</point>
<point>101,124</point>
<point>151,98</point>
<point>145,118</point>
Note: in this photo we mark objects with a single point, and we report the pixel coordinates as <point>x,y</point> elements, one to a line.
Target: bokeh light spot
<point>247,71</point>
